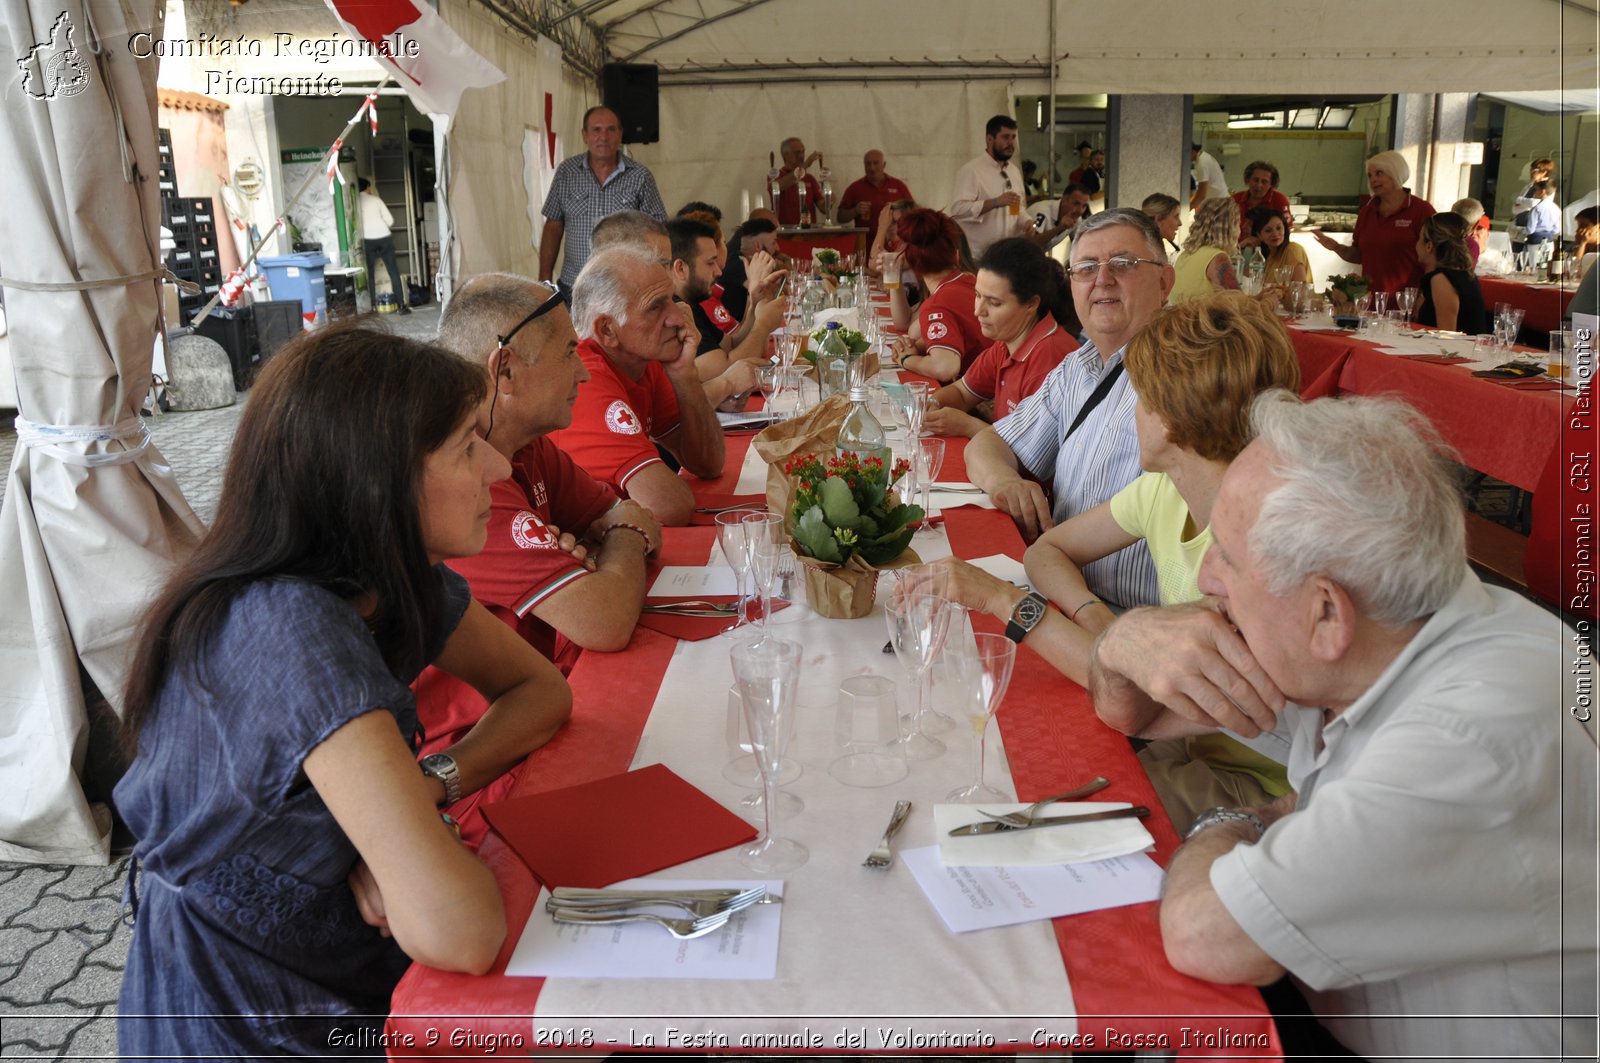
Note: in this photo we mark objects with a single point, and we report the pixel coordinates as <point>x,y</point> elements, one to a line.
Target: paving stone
<point>114,953</point>
<point>96,1039</point>
<point>16,942</point>
<point>82,883</point>
<point>54,963</point>
<point>95,986</point>
<point>37,1031</point>
<point>97,914</point>
<point>23,891</point>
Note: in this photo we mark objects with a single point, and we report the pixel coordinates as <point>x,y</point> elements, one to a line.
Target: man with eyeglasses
<point>564,560</point>
<point>1076,433</point>
<point>988,191</point>
<point>638,344</point>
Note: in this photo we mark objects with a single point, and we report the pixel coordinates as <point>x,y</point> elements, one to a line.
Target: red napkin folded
<point>615,828</point>
<point>712,500</point>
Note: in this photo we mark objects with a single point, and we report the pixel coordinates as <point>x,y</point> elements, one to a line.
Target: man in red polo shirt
<point>638,345</point>
<point>865,197</point>
<point>792,178</point>
<point>564,560</point>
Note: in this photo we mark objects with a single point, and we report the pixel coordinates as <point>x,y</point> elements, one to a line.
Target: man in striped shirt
<point>1076,433</point>
<point>589,187</point>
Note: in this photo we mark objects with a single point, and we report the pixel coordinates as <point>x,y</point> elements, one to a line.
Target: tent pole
<point>1050,110</point>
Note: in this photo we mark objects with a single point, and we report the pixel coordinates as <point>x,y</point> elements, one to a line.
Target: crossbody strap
<point>1096,397</point>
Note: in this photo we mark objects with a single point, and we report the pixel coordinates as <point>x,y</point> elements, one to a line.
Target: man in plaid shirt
<point>588,187</point>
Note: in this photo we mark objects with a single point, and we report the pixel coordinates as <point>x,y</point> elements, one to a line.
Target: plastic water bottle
<point>833,362</point>
<point>862,433</point>
<point>812,300</point>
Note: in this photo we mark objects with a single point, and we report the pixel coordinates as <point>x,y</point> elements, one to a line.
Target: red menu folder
<point>615,828</point>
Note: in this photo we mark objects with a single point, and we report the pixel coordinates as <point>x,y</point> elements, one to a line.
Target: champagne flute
<point>765,534</point>
<point>918,617</point>
<point>767,675</point>
<point>735,542</point>
<point>985,674</point>
<point>929,456</point>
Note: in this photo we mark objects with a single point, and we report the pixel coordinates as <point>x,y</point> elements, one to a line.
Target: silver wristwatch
<point>1212,816</point>
<point>442,766</point>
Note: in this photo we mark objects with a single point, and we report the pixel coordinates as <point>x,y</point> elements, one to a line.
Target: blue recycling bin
<point>299,276</point>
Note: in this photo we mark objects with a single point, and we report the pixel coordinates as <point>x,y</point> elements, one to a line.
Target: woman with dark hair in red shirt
<point>946,337</point>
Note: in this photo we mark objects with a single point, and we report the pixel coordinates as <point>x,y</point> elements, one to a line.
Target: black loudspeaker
<point>630,89</point>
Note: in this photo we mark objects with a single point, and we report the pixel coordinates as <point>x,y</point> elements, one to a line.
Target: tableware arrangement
<point>994,826</point>
<point>700,904</point>
<point>882,856</point>
<point>866,726</point>
<point>985,672</point>
<point>734,539</point>
<point>767,673</point>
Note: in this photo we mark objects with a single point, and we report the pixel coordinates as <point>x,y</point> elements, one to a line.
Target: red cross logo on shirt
<point>622,420</point>
<point>531,533</point>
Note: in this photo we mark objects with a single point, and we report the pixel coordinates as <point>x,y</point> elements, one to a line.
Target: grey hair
<point>1368,500</point>
<point>483,308</point>
<point>601,289</point>
<point>1469,209</point>
<point>1133,219</point>
<point>625,227</point>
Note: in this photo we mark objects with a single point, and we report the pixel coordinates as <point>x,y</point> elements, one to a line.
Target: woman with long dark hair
<point>1024,305</point>
<point>1451,298</point>
<point>291,861</point>
<point>1272,234</point>
<point>945,339</point>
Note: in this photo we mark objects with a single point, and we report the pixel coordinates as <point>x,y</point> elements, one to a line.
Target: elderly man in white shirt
<point>989,190</point>
<point>1429,883</point>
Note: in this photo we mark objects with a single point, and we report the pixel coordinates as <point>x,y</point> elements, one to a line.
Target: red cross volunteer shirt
<point>520,566</point>
<point>1388,246</point>
<point>949,318</point>
<point>1007,378</point>
<point>716,313</point>
<point>616,420</point>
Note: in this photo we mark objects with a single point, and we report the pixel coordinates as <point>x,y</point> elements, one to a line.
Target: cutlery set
<point>707,910</point>
<point>694,607</point>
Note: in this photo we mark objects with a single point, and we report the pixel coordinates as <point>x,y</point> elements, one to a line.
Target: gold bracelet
<point>1092,601</point>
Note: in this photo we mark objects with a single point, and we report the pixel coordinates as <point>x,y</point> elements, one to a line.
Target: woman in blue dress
<point>291,860</point>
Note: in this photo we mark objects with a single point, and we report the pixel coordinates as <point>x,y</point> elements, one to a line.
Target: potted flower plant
<point>846,522</point>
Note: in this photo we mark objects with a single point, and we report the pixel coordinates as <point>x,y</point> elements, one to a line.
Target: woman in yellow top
<point>1283,254</point>
<point>1206,264</point>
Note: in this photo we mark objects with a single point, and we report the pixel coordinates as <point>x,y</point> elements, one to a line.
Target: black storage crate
<point>235,331</point>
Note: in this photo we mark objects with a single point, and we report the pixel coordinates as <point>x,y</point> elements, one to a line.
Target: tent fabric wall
<point>715,140</point>
<point>488,201</point>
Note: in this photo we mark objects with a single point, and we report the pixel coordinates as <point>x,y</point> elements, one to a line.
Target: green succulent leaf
<point>816,538</point>
<point>839,504</point>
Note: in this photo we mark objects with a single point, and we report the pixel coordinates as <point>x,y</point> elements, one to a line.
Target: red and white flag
<point>420,49</point>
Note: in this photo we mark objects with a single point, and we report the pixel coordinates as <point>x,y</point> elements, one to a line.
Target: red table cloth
<point>1543,308</point>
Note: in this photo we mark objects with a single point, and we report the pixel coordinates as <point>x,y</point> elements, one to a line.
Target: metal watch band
<point>1212,816</point>
<point>442,766</point>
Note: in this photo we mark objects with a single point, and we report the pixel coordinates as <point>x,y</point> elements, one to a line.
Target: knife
<point>995,827</point>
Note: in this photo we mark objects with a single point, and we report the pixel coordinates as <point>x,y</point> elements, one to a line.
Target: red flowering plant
<point>844,506</point>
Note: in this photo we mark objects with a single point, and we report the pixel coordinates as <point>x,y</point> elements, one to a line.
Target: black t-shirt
<point>1471,317</point>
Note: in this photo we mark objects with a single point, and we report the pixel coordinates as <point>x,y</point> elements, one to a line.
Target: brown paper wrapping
<point>847,591</point>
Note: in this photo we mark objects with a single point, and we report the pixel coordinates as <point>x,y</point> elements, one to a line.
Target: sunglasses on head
<point>557,297</point>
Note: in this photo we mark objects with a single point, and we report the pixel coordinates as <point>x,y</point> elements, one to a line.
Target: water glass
<point>735,544</point>
<point>764,532</point>
<point>766,673</point>
<point>866,726</point>
<point>1560,352</point>
<point>1395,322</point>
<point>1485,348</point>
<point>741,768</point>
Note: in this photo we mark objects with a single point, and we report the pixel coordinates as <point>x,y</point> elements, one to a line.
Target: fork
<point>1025,817</point>
<point>700,908</point>
<point>678,928</point>
<point>785,573</point>
<point>882,856</point>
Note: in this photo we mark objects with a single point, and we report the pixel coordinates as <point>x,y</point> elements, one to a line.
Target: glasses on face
<point>503,343</point>
<point>1120,266</point>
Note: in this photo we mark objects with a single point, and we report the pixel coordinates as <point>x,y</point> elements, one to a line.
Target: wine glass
<point>929,456</point>
<point>918,616</point>
<point>764,532</point>
<point>1407,300</point>
<point>767,674</point>
<point>985,672</point>
<point>735,543</point>
<point>1380,302</point>
<point>911,401</point>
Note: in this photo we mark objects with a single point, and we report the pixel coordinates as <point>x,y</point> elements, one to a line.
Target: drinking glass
<point>1407,299</point>
<point>918,615</point>
<point>985,672</point>
<point>866,727</point>
<point>912,399</point>
<point>1560,352</point>
<point>764,533</point>
<point>1484,348</point>
<point>1394,322</point>
<point>929,457</point>
<point>1380,302</point>
<point>735,543</point>
<point>741,768</point>
<point>784,398</point>
<point>767,674</point>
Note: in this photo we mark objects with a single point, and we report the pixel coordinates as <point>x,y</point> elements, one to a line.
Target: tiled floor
<point>63,943</point>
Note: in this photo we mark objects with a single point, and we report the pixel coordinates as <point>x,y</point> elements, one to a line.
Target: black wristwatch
<point>442,766</point>
<point>1025,615</point>
<point>1212,816</point>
